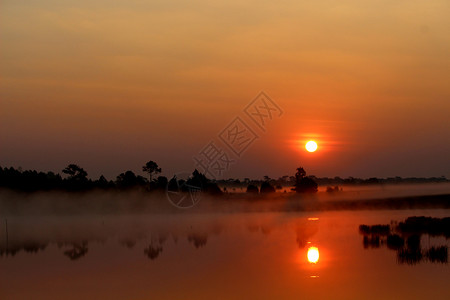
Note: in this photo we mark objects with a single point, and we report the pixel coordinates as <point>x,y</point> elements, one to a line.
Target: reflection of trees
<point>374,235</point>
<point>10,251</point>
<point>29,247</point>
<point>155,248</point>
<point>304,232</point>
<point>432,226</point>
<point>412,254</point>
<point>129,243</point>
<point>34,247</point>
<point>199,240</point>
<point>409,256</point>
<point>437,254</point>
<point>375,229</point>
<point>78,250</point>
<point>265,229</point>
<point>74,250</point>
<point>395,242</point>
<point>153,251</point>
<point>372,241</point>
<point>405,239</point>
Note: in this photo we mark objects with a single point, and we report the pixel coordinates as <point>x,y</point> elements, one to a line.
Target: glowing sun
<point>311,146</point>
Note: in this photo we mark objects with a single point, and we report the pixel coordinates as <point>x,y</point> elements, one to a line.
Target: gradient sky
<point>112,84</point>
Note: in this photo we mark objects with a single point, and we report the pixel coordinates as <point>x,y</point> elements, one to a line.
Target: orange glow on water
<point>313,255</point>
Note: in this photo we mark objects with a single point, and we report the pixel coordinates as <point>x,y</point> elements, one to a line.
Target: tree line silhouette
<point>289,181</point>
<point>76,179</point>
<point>301,183</point>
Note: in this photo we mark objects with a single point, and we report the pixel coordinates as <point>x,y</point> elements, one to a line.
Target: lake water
<point>214,256</point>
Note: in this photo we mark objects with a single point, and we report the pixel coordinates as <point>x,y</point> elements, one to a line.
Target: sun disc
<point>311,146</point>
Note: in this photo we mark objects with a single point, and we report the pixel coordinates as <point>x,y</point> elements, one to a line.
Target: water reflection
<point>74,237</point>
<point>127,242</point>
<point>77,250</point>
<point>262,256</point>
<point>28,247</point>
<point>33,247</point>
<point>313,255</point>
<point>153,251</point>
<point>199,240</point>
<point>305,231</point>
<point>406,239</point>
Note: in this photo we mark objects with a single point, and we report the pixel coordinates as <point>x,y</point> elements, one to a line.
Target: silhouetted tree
<point>159,184</point>
<point>334,189</point>
<point>201,181</point>
<point>75,172</point>
<point>29,181</point>
<point>266,187</point>
<point>304,184</point>
<point>173,184</point>
<point>198,180</point>
<point>77,180</point>
<point>129,180</point>
<point>372,180</point>
<point>102,183</point>
<point>151,168</point>
<point>300,173</point>
<point>253,189</point>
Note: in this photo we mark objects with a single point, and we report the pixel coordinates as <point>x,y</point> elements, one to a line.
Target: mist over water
<point>139,246</point>
<point>135,202</point>
<point>386,191</point>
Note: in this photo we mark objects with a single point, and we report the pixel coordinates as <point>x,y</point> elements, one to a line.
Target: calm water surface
<point>214,256</point>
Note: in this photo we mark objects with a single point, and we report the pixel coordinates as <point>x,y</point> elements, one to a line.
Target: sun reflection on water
<point>313,255</point>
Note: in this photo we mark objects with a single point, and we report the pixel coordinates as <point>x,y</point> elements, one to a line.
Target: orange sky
<point>112,84</point>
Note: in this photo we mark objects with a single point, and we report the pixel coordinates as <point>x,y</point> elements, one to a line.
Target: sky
<point>110,85</point>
